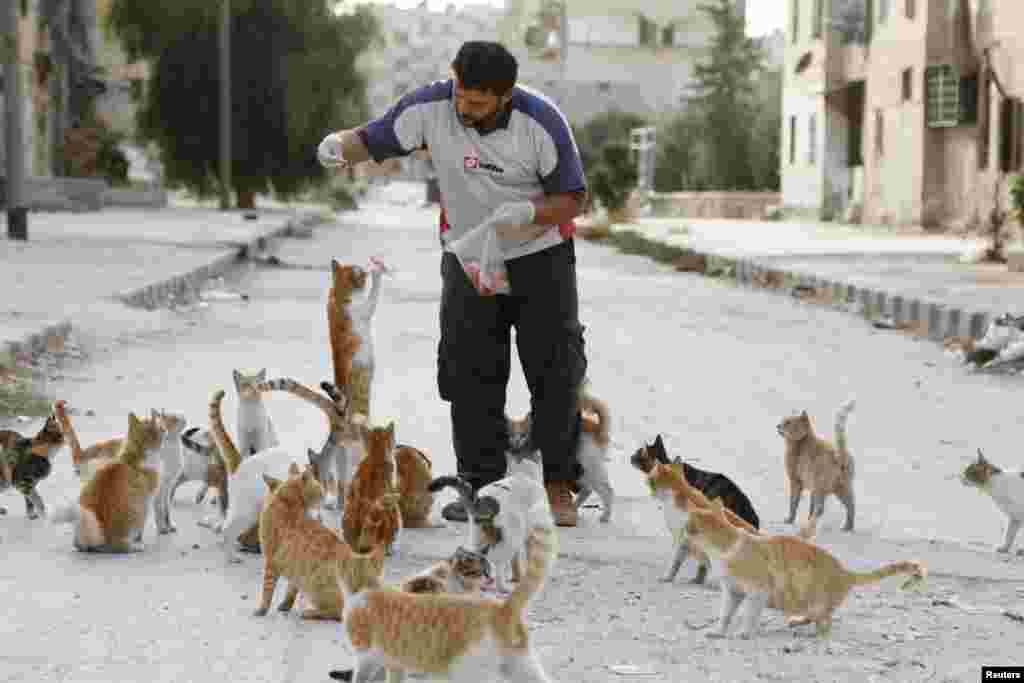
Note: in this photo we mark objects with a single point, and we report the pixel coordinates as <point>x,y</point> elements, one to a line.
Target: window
<point>812,138</point>
<point>795,18</point>
<point>883,11</point>
<point>942,96</point>
<point>792,140</point>
<point>668,36</point>
<point>908,84</point>
<point>879,133</point>
<point>648,31</point>
<point>910,9</point>
<point>819,18</point>
<point>1009,135</point>
<point>984,115</point>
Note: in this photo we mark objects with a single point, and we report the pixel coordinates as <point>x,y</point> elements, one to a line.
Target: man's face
<point>476,108</point>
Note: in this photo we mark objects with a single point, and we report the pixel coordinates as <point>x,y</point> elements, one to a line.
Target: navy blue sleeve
<point>561,170</point>
<point>402,129</point>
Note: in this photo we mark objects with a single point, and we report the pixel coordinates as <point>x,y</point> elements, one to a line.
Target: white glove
<point>329,153</point>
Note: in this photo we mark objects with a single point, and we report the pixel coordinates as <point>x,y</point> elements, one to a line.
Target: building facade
<point>902,111</point>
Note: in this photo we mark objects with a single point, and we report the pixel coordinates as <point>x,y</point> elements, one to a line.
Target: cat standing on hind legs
<point>815,464</point>
<point>1007,490</point>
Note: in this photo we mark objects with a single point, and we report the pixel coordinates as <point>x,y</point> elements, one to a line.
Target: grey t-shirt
<point>531,153</point>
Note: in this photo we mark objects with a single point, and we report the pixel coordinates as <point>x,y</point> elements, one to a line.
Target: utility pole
<point>563,52</point>
<point>14,138</point>
<point>225,104</point>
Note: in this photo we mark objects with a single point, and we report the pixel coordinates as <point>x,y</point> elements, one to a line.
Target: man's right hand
<point>329,153</point>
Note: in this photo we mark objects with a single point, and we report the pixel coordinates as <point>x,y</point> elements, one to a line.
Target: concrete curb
<point>935,319</point>
<point>186,286</point>
<point>176,288</point>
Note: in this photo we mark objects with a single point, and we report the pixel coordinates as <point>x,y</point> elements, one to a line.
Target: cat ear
<point>981,458</point>
<point>391,428</point>
<point>293,470</point>
<point>261,376</point>
<point>271,483</point>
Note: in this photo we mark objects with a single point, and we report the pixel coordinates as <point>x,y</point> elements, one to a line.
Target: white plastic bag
<point>479,253</point>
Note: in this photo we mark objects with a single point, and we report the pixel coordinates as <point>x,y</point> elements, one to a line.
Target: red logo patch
<point>470,162</point>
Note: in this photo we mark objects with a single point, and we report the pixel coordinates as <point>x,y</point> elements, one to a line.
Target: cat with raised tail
<point>350,327</point>
<point>792,574</point>
<point>445,635</point>
<point>26,461</point>
<point>816,464</point>
<point>1006,487</point>
<point>111,510</point>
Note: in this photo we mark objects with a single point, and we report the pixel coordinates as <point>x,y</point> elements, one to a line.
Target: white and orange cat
<point>815,464</point>
<point>806,582</point>
<point>1007,490</point>
<point>111,510</point>
<point>305,552</point>
<point>465,639</point>
<point>350,327</point>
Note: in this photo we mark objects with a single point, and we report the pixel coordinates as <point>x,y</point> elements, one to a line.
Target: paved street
<point>710,366</point>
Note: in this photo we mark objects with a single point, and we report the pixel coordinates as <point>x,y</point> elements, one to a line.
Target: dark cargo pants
<point>474,362</point>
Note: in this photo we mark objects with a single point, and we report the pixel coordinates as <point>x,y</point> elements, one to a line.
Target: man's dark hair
<point>486,66</point>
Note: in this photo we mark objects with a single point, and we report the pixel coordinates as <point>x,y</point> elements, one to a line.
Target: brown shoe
<point>563,508</point>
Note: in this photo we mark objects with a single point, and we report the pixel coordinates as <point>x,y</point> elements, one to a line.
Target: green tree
<point>725,88</point>
<point>293,79</point>
<point>609,126</point>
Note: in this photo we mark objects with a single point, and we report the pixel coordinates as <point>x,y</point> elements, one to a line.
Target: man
<point>502,153</point>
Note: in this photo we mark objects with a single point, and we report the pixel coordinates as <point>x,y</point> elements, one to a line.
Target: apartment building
<point>902,111</point>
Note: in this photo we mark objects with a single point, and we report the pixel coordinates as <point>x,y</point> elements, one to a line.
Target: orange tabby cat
<point>446,634</point>
<point>814,463</point>
<point>372,516</point>
<point>795,575</point>
<point>307,553</point>
<point>345,342</point>
<point>111,511</point>
<point>91,458</point>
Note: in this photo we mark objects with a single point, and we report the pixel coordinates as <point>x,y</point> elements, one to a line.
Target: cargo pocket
<point>569,358</point>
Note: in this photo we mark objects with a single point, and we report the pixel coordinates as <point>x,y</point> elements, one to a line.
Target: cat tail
<point>67,513</point>
<point>465,490</point>
<point>595,405</point>
<point>64,420</point>
<point>916,571</point>
<point>333,409</point>
<point>188,442</point>
<point>842,416</point>
<point>541,551</point>
<point>228,451</point>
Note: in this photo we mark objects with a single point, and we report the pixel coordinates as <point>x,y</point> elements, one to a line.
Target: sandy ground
<point>709,366</point>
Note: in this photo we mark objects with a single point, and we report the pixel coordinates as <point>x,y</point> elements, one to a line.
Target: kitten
<point>500,514</point>
<point>350,324</point>
<point>710,484</point>
<point>172,464</point>
<point>817,465</point>
<point>1007,490</point>
<point>371,515</point>
<point>444,634</point>
<point>110,515</point>
<point>254,428</point>
<point>245,486</point>
<point>591,450</point>
<point>202,463</point>
<point>461,574</point>
<point>85,461</point>
<point>24,462</point>
<point>305,552</point>
<point>806,582</point>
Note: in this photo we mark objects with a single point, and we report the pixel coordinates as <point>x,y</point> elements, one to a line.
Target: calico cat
<point>85,461</point>
<point>591,449</point>
<point>500,514</point>
<point>444,635</point>
<point>305,552</point>
<point>110,514</point>
<point>814,463</point>
<point>806,582</point>
<point>202,463</point>
<point>245,486</point>
<point>371,516</point>
<point>1007,490</point>
<point>255,430</point>
<point>350,325</point>
<point>710,484</point>
<point>24,462</point>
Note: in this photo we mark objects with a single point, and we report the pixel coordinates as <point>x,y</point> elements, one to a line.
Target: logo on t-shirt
<point>472,163</point>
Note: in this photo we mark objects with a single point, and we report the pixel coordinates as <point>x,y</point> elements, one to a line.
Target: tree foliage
<point>293,79</point>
